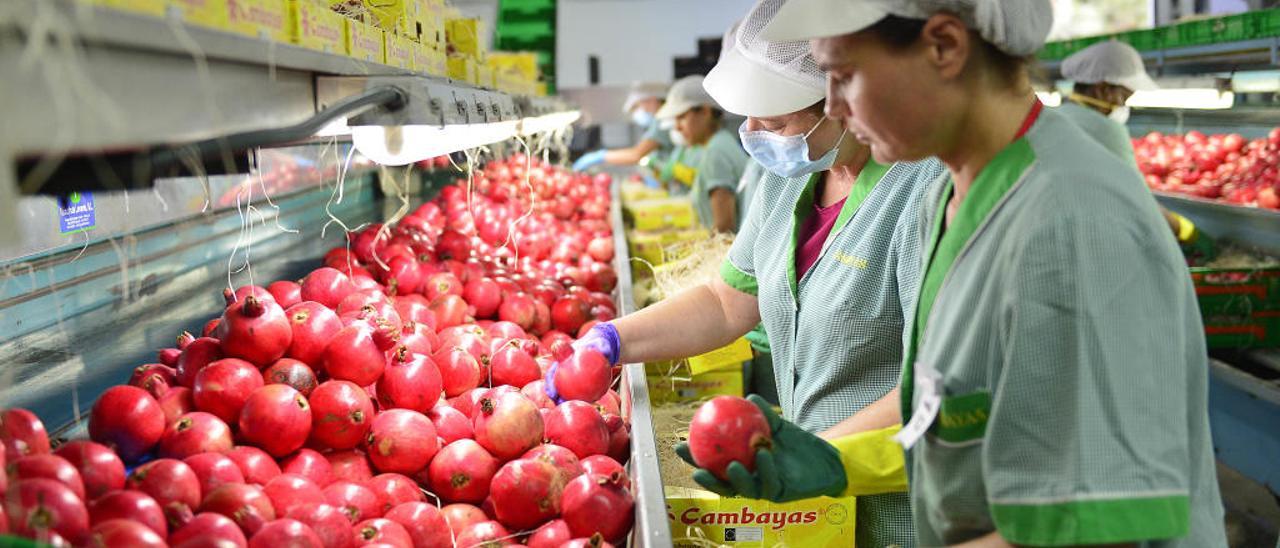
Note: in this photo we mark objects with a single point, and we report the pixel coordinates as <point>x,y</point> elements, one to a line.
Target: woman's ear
<point>948,44</point>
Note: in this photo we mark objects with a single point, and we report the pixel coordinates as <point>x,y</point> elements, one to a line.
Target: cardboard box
<point>202,13</point>
<point>315,26</point>
<point>364,42</point>
<point>698,516</point>
<point>525,64</point>
<point>266,19</point>
<point>673,388</point>
<point>399,50</point>
<point>463,36</point>
<point>729,357</point>
<point>145,7</point>
<point>660,214</point>
<point>388,15</point>
<point>462,68</point>
<point>484,76</point>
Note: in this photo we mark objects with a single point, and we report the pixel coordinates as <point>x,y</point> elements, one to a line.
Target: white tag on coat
<point>928,390</point>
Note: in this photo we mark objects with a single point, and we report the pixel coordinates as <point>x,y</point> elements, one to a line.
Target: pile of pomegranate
<point>1222,167</point>
<point>392,397</point>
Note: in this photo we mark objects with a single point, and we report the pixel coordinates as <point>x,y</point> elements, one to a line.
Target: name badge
<point>928,389</point>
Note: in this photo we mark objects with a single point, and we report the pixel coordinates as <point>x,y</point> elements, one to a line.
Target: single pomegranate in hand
<point>214,469</point>
<point>126,419</point>
<point>424,523</point>
<point>255,330</point>
<point>462,471</point>
<point>583,376</point>
<point>131,505</point>
<point>410,381</point>
<point>224,386</point>
<point>727,429</point>
<point>277,419</point>
<point>288,490</point>
<point>341,413</point>
<point>327,286</point>
<point>526,493</point>
<point>195,433</point>
<point>309,464</point>
<point>507,425</point>
<point>328,522</point>
<point>172,484</point>
<point>285,532</point>
<point>459,370</point>
<point>401,441</point>
<point>257,466</point>
<point>598,504</point>
<point>245,504</point>
<point>356,353</point>
<point>313,325</point>
<point>48,467</point>
<point>100,468</point>
<point>293,373</point>
<point>208,529</point>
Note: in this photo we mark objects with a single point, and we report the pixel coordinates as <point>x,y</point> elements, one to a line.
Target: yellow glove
<point>873,463</point>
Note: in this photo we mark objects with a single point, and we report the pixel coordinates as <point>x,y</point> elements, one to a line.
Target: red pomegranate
<point>467,403</point>
<point>340,414</point>
<point>329,523</point>
<point>536,392</point>
<point>505,331</point>
<point>563,459</point>
<point>176,403</point>
<point>610,404</point>
<point>126,419</point>
<point>196,356</point>
<point>578,426</point>
<point>287,490</point>
<point>601,249</point>
<point>327,286</point>
<point>368,306</point>
<point>291,372</point>
<point>526,493</point>
<point>519,309</point>
<point>403,275</point>
<point>727,429</point>
<point>123,532</point>
<point>256,465</point>
<point>356,353</point>
<point>484,295</point>
<point>48,467</point>
<point>276,418</point>
<point>459,516</point>
<point>286,292</point>
<point>619,437</point>
<point>99,467</point>
<point>195,433</point>
<point>598,504</point>
<point>131,505</point>
<point>462,471</point>
<point>394,489</point>
<point>244,291</point>
<point>309,464</point>
<point>424,523</point>
<point>38,506</point>
<point>449,310</point>
<point>350,465</point>
<point>569,313</point>
<point>459,370</point>
<point>172,483</point>
<point>353,499</point>
<point>143,372</point>
<point>207,530</point>
<point>413,308</point>
<point>381,531</point>
<point>255,330</point>
<point>418,338</point>
<point>507,425</point>
<point>245,504</point>
<point>513,366</point>
<point>541,318</point>
<point>313,325</point>
<point>401,441</point>
<point>410,381</point>
<point>593,541</point>
<point>552,534</point>
<point>451,425</point>
<point>602,465</point>
<point>223,386</point>
<point>285,532</point>
<point>584,376</point>
<point>482,534</point>
<point>209,327</point>
<point>214,469</point>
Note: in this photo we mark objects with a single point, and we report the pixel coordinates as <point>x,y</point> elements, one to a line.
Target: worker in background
<point>655,145</point>
<point>1054,385</point>
<point>1106,74</point>
<point>712,161</point>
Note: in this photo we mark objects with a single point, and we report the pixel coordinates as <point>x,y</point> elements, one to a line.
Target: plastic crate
<point>1240,307</point>
<point>1266,22</point>
<point>526,6</point>
<point>1142,40</point>
<point>1232,28</point>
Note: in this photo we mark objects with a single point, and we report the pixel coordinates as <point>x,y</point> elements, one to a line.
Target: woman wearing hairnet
<point>655,145</point>
<point>1106,74</point>
<point>1055,383</point>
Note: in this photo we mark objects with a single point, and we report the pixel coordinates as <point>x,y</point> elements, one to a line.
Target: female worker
<point>654,146</point>
<point>709,156</point>
<point>1054,388</point>
<point>1106,74</point>
<point>824,258</point>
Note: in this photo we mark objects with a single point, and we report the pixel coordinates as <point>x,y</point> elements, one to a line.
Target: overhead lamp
<point>403,145</point>
<point>533,125</point>
<point>1049,98</point>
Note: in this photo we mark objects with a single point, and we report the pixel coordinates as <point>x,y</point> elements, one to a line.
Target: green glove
<point>1196,245</point>
<point>800,465</point>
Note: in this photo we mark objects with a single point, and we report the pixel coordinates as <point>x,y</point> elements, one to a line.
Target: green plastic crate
<point>1232,28</point>
<point>1142,40</point>
<point>527,6</point>
<point>1266,22</point>
<point>1240,306</point>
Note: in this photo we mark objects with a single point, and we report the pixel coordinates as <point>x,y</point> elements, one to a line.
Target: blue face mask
<point>642,118</point>
<point>786,155</point>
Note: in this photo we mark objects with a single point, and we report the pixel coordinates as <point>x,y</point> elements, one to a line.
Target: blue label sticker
<point>75,212</point>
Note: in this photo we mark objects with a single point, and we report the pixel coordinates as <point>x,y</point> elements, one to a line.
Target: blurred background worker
<point>654,146</point>
<point>708,159</point>
<point>1106,75</point>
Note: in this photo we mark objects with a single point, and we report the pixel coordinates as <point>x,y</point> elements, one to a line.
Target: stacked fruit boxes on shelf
<point>1240,303</point>
<point>1195,32</point>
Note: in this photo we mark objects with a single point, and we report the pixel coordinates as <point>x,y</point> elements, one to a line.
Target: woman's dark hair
<point>901,32</point>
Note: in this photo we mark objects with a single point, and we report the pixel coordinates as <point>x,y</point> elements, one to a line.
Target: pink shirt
<point>813,234</point>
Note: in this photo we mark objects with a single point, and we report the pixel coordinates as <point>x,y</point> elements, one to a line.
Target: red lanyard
<point>1030,120</point>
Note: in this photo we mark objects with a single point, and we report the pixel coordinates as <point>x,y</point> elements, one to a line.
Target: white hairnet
<point>641,91</point>
<point>756,77</point>
<point>1111,62</point>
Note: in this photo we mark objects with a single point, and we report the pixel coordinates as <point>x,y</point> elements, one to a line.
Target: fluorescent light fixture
<point>548,122</point>
<point>403,145</point>
<point>337,128</point>
<point>1262,81</point>
<point>1050,98</point>
<point>1185,98</point>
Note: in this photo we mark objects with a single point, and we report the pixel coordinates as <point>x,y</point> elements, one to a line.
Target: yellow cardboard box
<point>364,42</point>
<point>699,516</point>
<point>399,50</point>
<point>463,36</point>
<point>665,389</point>
<point>315,26</point>
<point>660,213</point>
<point>388,15</point>
<point>145,7</point>
<point>645,245</point>
<point>523,63</point>
<point>462,68</point>
<point>730,356</point>
<point>202,13</point>
<point>632,191</point>
<point>266,19</point>
<point>484,76</point>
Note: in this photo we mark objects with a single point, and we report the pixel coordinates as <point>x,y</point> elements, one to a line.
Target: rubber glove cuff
<point>603,338</point>
<point>590,159</point>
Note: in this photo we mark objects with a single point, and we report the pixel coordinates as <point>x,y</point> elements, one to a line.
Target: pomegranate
<point>327,286</point>
<point>402,275</point>
<point>195,433</point>
<point>563,459</point>
<point>536,392</point>
<point>413,308</point>
<point>424,523</point>
<point>602,465</point>
<point>356,501</point>
<point>255,330</point>
<point>208,529</point>
<point>619,437</point>
<point>410,381</point>
<point>168,375</point>
<point>313,325</point>
<point>172,483</point>
<point>727,429</point>
<point>569,313</point>
<point>451,424</point>
<point>224,386</point>
<point>287,490</point>
<point>584,376</point>
<point>309,464</point>
<point>123,532</point>
<point>394,489</point>
<point>450,310</point>
<point>513,366</point>
<point>130,505</point>
<point>506,331</point>
<point>38,506</point>
<point>507,425</point>
<point>526,493</point>
<point>340,414</point>
<point>552,534</point>
<point>453,245</point>
<point>460,516</point>
<point>327,521</point>
<point>609,404</point>
<point>519,309</point>
<point>459,370</point>
<point>291,372</point>
<point>286,533</point>
<point>48,467</point>
<point>594,541</point>
<point>245,504</point>
<point>350,465</point>
<point>598,504</point>
<point>579,427</point>
<point>369,306</point>
<point>418,338</point>
<point>484,533</point>
<point>462,471</point>
<point>213,470</point>
<point>467,403</point>
<point>541,318</point>
<point>381,531</point>
<point>286,292</point>
<point>210,327</point>
<point>126,419</point>
<point>601,249</point>
<point>401,441</point>
<point>196,356</point>
<point>245,291</point>
<point>355,353</point>
<point>100,469</point>
<point>176,403</point>
<point>277,419</point>
<point>256,465</point>
<point>484,295</point>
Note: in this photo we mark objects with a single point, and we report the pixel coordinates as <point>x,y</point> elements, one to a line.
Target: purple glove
<point>602,338</point>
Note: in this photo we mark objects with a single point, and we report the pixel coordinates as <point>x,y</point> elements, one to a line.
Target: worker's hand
<point>589,160</point>
<point>799,465</point>
<point>603,338</point>
<point>649,181</point>
<point>1196,245</point>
